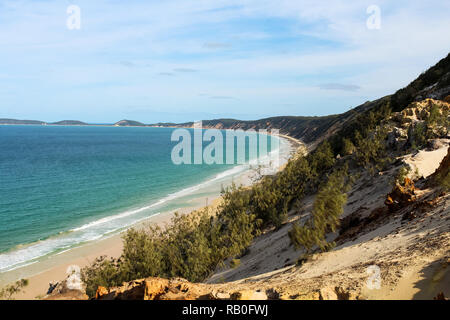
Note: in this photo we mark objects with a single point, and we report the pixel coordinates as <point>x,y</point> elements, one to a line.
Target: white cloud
<point>176,37</point>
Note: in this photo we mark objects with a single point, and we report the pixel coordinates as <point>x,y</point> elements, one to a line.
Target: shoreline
<point>54,267</point>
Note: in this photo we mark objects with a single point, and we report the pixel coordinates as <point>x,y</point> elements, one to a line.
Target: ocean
<point>62,186</point>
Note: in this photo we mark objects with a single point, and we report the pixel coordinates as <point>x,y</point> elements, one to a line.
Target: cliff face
<point>180,289</point>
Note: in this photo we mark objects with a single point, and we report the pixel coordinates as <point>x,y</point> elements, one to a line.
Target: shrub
<point>102,272</point>
<point>269,202</point>
<point>402,174</point>
<point>191,246</point>
<point>234,263</point>
<point>418,135</point>
<point>445,181</point>
<point>327,208</point>
<point>348,147</point>
<point>322,159</point>
<point>9,291</point>
<point>371,150</point>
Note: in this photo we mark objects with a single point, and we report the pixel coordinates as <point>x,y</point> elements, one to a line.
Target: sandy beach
<point>54,268</point>
<point>82,256</point>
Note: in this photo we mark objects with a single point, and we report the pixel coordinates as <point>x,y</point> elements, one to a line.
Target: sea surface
<point>62,186</point>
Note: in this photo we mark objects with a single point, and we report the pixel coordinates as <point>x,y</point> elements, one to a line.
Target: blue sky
<point>184,60</point>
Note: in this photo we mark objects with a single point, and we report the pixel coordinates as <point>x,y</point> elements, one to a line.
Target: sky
<point>186,60</point>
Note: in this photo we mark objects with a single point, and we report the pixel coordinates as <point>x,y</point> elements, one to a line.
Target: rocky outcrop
<point>63,291</point>
<point>153,289</point>
<point>159,289</point>
<point>420,110</point>
<point>180,289</point>
<point>401,196</point>
<point>406,126</point>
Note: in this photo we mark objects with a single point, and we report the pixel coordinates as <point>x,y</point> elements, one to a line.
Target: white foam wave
<point>29,254</point>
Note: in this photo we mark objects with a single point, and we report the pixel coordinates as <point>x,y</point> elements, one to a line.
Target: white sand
<point>426,162</point>
<point>413,256</point>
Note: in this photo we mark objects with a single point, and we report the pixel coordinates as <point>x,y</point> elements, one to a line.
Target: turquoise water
<point>61,186</point>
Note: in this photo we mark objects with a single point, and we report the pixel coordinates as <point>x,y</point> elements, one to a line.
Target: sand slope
<point>412,255</point>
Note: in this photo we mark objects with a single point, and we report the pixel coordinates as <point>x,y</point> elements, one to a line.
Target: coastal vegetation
<point>193,246</point>
<point>8,292</point>
<point>325,218</point>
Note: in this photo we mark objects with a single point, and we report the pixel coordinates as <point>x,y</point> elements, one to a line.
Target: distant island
<point>69,123</point>
<point>130,123</point>
<point>121,123</point>
<point>18,122</point>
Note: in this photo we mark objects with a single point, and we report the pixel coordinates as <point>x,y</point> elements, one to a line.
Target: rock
<point>51,286</point>
<point>178,295</point>
<point>410,215</point>
<point>220,296</point>
<point>70,295</point>
<point>328,294</point>
<point>397,138</point>
<point>101,291</point>
<point>337,293</point>
<point>447,99</point>
<point>133,290</point>
<point>343,294</point>
<point>313,295</point>
<point>61,291</point>
<point>155,287</point>
<point>401,196</point>
<point>305,295</point>
<point>249,295</point>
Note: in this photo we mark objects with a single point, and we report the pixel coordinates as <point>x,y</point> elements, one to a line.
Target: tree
<point>322,158</point>
<point>327,209</point>
<point>347,147</point>
<point>9,291</point>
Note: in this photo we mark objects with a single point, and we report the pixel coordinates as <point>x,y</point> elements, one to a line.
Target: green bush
<point>445,181</point>
<point>322,159</point>
<point>371,150</point>
<point>269,202</point>
<point>327,208</point>
<point>9,291</point>
<point>402,174</point>
<point>191,246</point>
<point>274,196</point>
<point>348,147</point>
<point>234,263</point>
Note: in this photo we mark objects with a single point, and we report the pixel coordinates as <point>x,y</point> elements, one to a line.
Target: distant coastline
<point>121,123</point>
